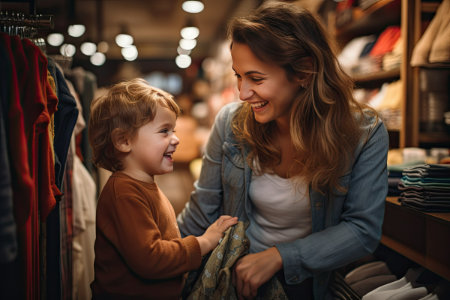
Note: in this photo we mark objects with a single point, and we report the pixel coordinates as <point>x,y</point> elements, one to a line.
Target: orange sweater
<point>139,253</point>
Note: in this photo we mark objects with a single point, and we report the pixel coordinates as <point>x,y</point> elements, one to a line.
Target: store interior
<point>387,46</point>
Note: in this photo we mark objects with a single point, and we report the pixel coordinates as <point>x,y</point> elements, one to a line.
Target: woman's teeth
<point>259,104</point>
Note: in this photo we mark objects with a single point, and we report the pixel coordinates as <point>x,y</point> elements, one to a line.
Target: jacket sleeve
<point>205,203</point>
<point>358,229</point>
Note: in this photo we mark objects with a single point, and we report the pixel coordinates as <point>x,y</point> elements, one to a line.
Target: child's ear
<point>121,140</point>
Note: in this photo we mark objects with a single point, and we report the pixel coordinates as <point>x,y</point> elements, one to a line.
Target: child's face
<point>153,146</point>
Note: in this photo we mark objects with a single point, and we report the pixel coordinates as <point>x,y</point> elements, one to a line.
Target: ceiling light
<point>76,30</point>
<point>98,59</point>
<point>55,39</point>
<point>129,53</point>
<point>68,50</point>
<point>103,47</point>
<point>124,39</point>
<point>88,48</point>
<point>188,44</point>
<point>183,51</point>
<point>190,30</point>
<point>183,61</point>
<point>193,7</point>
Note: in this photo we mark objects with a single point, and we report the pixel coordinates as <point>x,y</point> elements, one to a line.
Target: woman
<point>298,158</point>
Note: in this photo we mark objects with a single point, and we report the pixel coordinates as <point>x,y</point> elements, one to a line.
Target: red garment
<point>29,108</point>
<point>21,180</point>
<point>386,41</point>
<point>40,93</point>
<point>39,102</point>
<point>21,177</point>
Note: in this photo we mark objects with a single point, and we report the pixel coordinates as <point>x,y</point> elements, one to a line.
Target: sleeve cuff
<point>294,272</point>
<point>194,255</point>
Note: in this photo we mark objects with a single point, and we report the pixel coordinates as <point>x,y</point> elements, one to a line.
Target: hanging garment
<point>433,46</point>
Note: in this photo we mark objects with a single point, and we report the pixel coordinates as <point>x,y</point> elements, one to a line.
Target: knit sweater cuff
<point>194,255</point>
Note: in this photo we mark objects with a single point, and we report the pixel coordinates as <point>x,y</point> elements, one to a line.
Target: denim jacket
<point>345,226</point>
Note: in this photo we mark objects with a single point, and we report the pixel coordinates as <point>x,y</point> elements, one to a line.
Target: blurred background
<point>181,46</point>
<point>177,45</point>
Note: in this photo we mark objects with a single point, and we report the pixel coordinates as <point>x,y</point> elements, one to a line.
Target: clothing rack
<point>26,26</point>
<point>15,23</point>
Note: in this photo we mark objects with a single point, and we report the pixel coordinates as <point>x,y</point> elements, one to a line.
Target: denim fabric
<point>345,226</point>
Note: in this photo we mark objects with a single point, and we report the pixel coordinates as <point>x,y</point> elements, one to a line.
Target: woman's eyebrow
<point>251,72</point>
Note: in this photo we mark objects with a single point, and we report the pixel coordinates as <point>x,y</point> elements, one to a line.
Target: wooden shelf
<point>422,237</point>
<point>430,7</point>
<point>445,217</point>
<point>372,20</point>
<point>383,76</point>
<point>434,138</point>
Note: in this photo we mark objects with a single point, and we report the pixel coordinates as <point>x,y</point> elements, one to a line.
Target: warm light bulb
<point>190,32</point>
<point>103,47</point>
<point>55,39</point>
<point>188,44</point>
<point>129,53</point>
<point>76,30</point>
<point>183,51</point>
<point>98,59</point>
<point>183,61</point>
<point>192,7</point>
<point>124,40</point>
<point>88,48</point>
<point>68,50</point>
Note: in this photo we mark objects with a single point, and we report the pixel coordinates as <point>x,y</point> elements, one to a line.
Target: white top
<point>281,211</point>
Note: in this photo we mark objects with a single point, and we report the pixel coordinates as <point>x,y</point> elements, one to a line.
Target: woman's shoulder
<point>372,127</point>
<point>369,120</point>
<point>226,114</point>
<point>229,110</point>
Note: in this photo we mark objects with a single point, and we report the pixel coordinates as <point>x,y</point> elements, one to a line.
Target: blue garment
<point>345,226</point>
<point>65,120</point>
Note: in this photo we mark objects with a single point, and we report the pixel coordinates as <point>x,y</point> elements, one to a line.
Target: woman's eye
<point>257,79</point>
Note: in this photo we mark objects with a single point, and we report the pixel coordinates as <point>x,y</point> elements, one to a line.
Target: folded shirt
<point>367,270</point>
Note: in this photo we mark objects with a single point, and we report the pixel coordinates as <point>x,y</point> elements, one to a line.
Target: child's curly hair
<point>127,106</point>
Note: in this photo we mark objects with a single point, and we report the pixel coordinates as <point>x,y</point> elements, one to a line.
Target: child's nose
<point>175,140</point>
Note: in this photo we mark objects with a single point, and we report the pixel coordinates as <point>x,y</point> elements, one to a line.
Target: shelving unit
<point>411,136</point>
<point>373,20</point>
<point>422,237</point>
<point>408,14</point>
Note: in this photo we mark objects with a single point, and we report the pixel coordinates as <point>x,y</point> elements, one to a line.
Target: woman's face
<point>263,85</point>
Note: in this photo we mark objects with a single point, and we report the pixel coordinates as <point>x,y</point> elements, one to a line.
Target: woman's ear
<point>121,140</point>
<point>303,79</point>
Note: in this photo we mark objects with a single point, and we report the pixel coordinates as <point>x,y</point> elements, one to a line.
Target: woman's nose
<point>245,91</point>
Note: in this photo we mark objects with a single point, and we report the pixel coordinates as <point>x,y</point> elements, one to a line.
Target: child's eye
<point>167,131</point>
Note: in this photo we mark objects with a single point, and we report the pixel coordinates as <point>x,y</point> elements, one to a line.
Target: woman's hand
<point>253,270</point>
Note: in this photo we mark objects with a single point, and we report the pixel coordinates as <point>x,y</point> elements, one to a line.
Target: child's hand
<point>214,233</point>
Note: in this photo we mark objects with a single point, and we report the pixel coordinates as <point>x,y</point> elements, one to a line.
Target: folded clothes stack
<point>426,187</point>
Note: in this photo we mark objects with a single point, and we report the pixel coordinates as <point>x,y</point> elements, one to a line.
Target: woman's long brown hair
<point>324,119</point>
